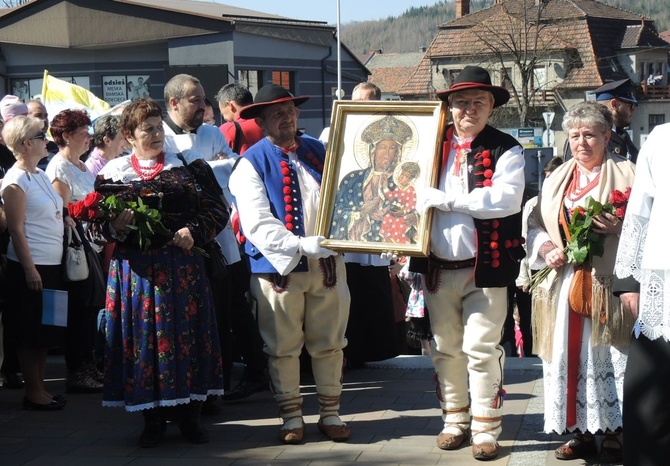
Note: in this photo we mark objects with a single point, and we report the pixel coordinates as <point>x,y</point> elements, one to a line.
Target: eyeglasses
<point>42,136</point>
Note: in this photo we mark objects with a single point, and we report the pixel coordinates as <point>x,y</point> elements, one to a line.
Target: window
<point>539,77</point>
<point>284,79</point>
<point>655,120</point>
<point>251,79</point>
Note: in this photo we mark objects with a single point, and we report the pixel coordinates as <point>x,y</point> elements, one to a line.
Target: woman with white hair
<point>108,143</point>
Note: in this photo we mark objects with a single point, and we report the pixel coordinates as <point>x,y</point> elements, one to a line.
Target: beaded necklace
<point>147,173</point>
<point>575,192</point>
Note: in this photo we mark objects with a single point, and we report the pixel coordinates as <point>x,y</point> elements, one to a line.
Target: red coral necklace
<point>148,173</point>
<point>576,192</point>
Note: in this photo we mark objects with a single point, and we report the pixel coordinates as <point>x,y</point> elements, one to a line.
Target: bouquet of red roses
<point>95,208</point>
<point>585,243</point>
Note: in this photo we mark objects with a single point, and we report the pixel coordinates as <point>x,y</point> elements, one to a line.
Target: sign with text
<point>118,89</point>
<point>114,89</point>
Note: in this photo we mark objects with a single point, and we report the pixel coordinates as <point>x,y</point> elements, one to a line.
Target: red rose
<point>164,345</point>
<point>577,212</point>
<point>92,214</point>
<point>76,209</point>
<point>92,199</point>
<point>617,198</point>
<point>621,211</point>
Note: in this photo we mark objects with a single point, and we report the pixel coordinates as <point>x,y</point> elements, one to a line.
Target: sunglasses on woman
<point>42,136</point>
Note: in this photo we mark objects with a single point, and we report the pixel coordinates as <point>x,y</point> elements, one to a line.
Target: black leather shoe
<point>244,389</point>
<point>12,380</point>
<point>154,427</point>
<point>53,406</point>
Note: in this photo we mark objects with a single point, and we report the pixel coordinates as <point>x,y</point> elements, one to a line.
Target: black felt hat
<point>476,77</point>
<point>270,95</point>
<point>620,90</point>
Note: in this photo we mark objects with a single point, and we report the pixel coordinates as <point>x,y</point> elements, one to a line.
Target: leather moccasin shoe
<point>336,432</point>
<point>449,441</point>
<point>485,451</point>
<point>292,436</point>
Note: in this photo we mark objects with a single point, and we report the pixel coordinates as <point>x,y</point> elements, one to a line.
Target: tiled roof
<point>394,60</point>
<point>390,79</point>
<point>665,35</point>
<point>593,30</point>
<point>389,71</point>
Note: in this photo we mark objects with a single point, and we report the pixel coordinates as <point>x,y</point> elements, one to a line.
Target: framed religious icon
<point>381,155</point>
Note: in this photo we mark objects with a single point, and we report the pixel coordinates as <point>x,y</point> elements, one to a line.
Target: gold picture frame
<point>366,209</point>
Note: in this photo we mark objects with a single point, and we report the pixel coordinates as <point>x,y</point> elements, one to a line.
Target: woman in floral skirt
<point>162,346</point>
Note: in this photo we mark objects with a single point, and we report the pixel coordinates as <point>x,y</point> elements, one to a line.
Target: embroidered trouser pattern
<point>303,312</point>
<point>467,325</point>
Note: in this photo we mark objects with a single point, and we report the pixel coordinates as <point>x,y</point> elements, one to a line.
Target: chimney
<point>422,49</point>
<point>462,8</point>
<point>498,2</point>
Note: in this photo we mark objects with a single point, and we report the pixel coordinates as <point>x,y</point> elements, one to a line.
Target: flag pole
<point>340,93</point>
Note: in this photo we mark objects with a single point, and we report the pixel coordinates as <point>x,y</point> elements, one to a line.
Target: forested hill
<point>416,28</point>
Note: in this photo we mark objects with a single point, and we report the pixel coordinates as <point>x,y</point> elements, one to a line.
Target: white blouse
<point>80,182</point>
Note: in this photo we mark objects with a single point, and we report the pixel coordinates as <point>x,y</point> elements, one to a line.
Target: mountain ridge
<point>416,28</point>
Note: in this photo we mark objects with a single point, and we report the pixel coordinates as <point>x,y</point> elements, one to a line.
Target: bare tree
<point>518,42</point>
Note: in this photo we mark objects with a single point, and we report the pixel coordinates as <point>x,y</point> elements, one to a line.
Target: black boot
<point>154,427</point>
<point>189,423</point>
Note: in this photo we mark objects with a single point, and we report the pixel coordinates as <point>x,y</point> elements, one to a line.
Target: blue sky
<point>326,10</point>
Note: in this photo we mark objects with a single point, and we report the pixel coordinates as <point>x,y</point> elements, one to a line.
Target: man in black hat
<point>619,98</point>
<point>300,287</point>
<point>475,249</point>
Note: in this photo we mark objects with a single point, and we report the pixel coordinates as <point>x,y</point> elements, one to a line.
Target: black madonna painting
<point>381,155</point>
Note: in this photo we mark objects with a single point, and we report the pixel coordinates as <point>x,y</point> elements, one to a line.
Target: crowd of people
<point>251,189</point>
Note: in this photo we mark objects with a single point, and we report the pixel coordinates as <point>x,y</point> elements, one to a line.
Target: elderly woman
<point>34,212</point>
<point>73,181</point>
<point>583,357</point>
<point>162,344</point>
<point>108,143</point>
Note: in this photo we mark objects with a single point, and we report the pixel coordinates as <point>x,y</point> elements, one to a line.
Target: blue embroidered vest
<point>283,189</point>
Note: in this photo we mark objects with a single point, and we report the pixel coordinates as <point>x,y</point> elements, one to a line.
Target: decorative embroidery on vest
<point>328,274</point>
<point>483,162</point>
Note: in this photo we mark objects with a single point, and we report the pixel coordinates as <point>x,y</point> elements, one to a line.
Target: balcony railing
<point>541,98</point>
<point>655,91</point>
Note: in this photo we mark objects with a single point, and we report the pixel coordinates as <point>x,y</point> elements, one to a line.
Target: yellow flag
<point>59,95</point>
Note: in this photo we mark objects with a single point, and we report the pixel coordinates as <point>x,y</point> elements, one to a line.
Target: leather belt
<point>451,265</point>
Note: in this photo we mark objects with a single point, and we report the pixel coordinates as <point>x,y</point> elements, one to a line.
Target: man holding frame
<point>299,286</point>
<point>475,249</point>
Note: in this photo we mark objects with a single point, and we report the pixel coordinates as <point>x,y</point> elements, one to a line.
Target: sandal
<point>580,446</point>
<point>611,449</point>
